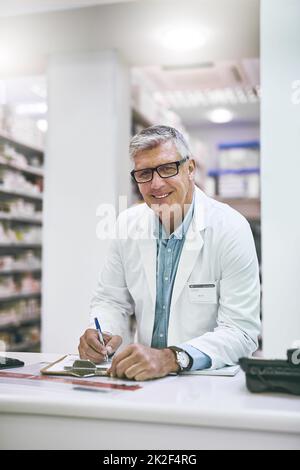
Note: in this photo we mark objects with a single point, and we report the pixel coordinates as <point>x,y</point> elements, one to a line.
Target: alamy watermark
<point>143,226</point>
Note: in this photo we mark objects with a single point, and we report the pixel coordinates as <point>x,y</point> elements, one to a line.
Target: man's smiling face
<point>175,191</point>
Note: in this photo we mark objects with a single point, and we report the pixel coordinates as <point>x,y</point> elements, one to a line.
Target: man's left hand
<point>140,362</point>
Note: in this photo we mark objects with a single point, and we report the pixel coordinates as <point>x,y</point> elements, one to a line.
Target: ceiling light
<point>39,90</point>
<point>31,108</point>
<point>183,39</point>
<point>220,116</point>
<point>42,125</point>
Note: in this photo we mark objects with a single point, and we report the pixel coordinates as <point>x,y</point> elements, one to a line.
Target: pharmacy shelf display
<point>21,202</point>
<point>237,183</point>
<point>237,178</point>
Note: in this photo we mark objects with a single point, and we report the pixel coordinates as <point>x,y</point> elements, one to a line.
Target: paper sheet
<point>229,371</point>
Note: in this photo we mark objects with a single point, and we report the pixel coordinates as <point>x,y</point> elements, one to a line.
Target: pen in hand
<point>101,339</point>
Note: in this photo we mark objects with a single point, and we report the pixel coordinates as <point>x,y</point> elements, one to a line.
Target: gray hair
<point>154,136</point>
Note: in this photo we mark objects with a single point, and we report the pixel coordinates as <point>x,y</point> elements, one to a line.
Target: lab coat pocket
<point>203,293</point>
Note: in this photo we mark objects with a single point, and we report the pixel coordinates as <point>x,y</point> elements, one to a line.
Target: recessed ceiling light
<point>31,108</point>
<point>42,125</point>
<point>39,90</point>
<point>183,39</point>
<point>220,116</point>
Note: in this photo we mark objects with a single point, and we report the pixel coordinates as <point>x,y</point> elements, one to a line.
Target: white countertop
<point>222,402</point>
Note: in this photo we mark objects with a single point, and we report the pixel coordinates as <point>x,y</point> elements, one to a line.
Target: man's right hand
<point>91,348</point>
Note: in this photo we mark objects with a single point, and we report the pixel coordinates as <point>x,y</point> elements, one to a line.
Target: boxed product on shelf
<point>23,339</point>
<point>8,317</point>
<point>7,286</point>
<point>24,129</point>
<point>26,260</point>
<point>6,263</point>
<point>28,284</point>
<point>239,158</point>
<point>240,185</point>
<point>20,235</point>
<point>28,309</point>
<point>10,154</point>
<point>28,334</point>
<point>16,313</point>
<point>14,181</point>
<point>239,155</point>
<point>19,208</point>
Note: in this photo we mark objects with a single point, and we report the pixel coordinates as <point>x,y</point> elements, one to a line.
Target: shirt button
<point>166,278</point>
<point>164,307</point>
<point>169,250</point>
<point>161,336</point>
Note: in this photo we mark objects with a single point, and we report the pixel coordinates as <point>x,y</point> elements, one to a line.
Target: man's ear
<point>192,169</point>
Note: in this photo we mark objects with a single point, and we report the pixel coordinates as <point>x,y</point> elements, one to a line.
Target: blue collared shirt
<point>169,249</point>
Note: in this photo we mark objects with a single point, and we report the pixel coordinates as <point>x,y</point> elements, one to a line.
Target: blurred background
<point>77,80</point>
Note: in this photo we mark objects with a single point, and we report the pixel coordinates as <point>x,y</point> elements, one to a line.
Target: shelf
<point>248,207</point>
<point>15,297</point>
<point>12,272</point>
<point>238,145</point>
<point>22,322</point>
<point>22,169</point>
<point>30,170</point>
<point>240,171</point>
<point>10,192</point>
<point>25,220</point>
<point>20,246</point>
<point>23,146</point>
<point>25,347</point>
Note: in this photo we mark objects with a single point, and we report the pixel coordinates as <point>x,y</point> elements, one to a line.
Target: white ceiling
<point>134,27</point>
<point>26,7</point>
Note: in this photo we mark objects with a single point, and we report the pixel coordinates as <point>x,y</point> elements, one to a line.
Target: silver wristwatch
<point>183,359</point>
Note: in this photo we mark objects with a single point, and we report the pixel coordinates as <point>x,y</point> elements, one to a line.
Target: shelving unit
<point>21,322</point>
<point>247,204</point>
<point>21,186</point>
<point>236,180</point>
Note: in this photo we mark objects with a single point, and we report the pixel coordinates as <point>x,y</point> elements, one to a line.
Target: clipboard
<point>71,365</point>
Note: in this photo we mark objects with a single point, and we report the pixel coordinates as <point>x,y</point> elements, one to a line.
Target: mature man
<point>192,280</point>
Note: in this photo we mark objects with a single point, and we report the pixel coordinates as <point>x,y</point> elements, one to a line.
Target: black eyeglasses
<point>167,170</point>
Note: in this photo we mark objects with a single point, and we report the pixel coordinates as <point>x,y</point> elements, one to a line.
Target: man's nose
<point>157,181</point>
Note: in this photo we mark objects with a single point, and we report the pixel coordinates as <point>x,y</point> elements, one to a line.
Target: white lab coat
<point>219,248</point>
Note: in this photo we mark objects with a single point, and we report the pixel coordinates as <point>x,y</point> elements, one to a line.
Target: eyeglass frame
<point>178,163</point>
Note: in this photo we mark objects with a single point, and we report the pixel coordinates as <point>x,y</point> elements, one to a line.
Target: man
<point>192,281</point>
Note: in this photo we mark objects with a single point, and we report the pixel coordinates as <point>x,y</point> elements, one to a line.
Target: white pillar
<point>87,164</point>
<point>280,136</point>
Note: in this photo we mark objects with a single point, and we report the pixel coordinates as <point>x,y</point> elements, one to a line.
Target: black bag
<point>273,375</point>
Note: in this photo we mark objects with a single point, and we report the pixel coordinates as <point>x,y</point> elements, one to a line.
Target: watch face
<point>183,359</point>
